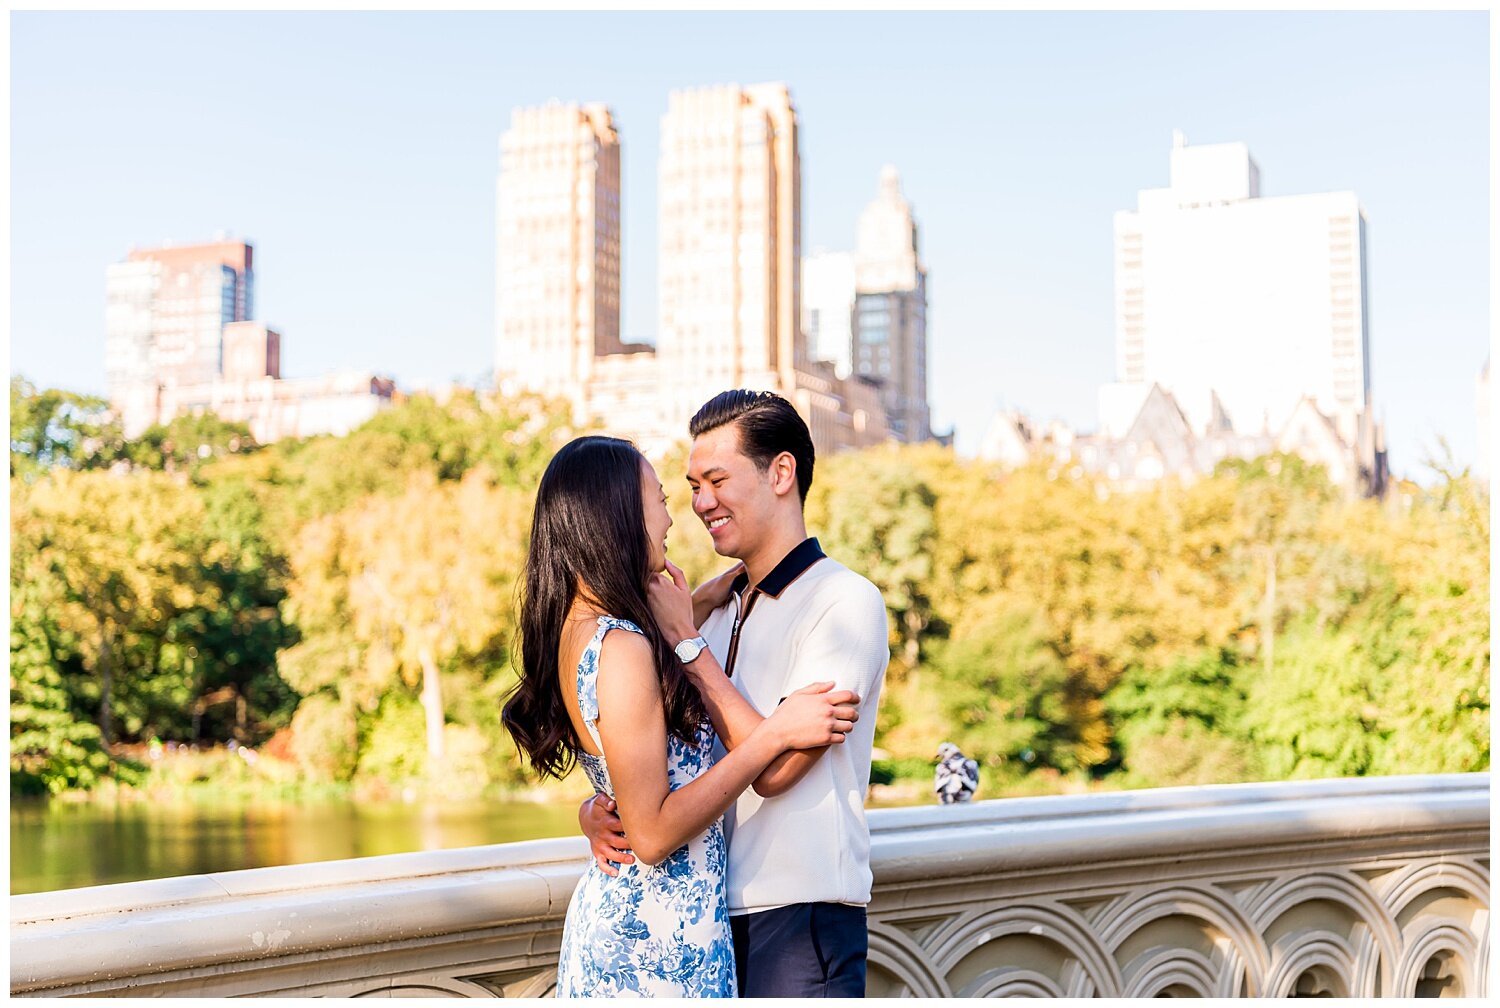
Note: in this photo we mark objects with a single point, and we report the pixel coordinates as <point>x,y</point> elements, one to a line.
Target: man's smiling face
<point>731,495</point>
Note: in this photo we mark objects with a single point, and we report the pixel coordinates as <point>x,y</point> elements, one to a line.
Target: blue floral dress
<point>653,930</point>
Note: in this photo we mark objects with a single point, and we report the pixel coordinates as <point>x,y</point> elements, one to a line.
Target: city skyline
<point>730,266</point>
<point>1017,233</point>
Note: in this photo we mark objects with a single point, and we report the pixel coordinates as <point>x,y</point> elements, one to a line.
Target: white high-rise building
<point>166,309</point>
<point>730,242</point>
<point>828,308</point>
<point>729,270</point>
<point>730,266</point>
<point>180,339</point>
<point>558,255</point>
<point>1241,305</point>
<point>890,313</point>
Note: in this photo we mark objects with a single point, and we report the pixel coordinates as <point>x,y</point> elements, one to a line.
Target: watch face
<point>688,650</point>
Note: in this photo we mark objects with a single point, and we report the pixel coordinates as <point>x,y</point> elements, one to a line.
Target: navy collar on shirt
<point>792,566</point>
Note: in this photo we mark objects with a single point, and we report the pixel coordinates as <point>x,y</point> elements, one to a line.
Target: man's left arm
<point>848,645</point>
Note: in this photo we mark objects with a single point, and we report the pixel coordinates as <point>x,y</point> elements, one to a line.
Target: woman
<point>602,687</point>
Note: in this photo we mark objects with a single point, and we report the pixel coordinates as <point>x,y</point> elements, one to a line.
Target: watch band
<point>690,649</point>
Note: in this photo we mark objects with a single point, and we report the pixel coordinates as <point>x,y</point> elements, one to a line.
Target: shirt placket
<point>741,614</point>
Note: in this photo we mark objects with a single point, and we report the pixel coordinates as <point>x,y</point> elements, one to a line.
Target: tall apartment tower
<point>828,309</point>
<point>1241,305</point>
<point>890,310</point>
<point>730,244</point>
<point>558,255</point>
<point>166,309</point>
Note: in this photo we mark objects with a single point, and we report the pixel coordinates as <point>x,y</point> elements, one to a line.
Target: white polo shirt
<point>811,619</point>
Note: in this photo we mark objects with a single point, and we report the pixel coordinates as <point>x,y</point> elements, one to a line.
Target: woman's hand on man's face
<point>672,604</point>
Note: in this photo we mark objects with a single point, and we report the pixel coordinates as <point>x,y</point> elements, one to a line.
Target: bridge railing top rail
<point>1016,831</point>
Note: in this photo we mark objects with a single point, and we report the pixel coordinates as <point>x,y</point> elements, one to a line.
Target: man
<point>799,847</point>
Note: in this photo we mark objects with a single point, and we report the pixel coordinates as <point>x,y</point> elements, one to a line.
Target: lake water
<point>63,845</point>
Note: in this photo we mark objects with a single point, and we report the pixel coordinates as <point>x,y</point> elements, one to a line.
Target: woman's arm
<point>732,715</point>
<point>738,718</point>
<point>734,720</point>
<point>632,727</point>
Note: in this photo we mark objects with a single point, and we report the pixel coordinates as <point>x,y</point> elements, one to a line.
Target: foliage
<point>1199,688</point>
<point>323,738</point>
<point>392,751</point>
<point>512,441</point>
<point>162,601</point>
<point>56,428</point>
<point>1184,752</point>
<point>188,443</point>
<point>248,630</point>
<point>355,597</point>
<point>393,593</point>
<point>1003,686</point>
<point>1254,624</point>
<point>875,515</point>
<point>51,750</point>
<point>1181,724</point>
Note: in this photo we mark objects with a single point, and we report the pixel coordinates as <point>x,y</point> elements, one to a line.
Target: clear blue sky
<point>358,152</point>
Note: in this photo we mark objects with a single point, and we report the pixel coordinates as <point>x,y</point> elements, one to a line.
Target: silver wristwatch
<point>689,649</point>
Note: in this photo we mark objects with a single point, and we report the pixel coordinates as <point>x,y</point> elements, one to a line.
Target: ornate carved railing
<point>1376,886</point>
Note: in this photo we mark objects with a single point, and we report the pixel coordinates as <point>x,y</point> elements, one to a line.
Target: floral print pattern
<point>653,930</point>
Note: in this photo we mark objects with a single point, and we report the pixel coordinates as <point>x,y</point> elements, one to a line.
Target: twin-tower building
<point>730,277</point>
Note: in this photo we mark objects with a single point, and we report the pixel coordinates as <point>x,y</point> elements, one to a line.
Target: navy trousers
<point>802,950</point>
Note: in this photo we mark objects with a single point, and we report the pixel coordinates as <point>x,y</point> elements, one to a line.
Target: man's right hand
<point>599,822</point>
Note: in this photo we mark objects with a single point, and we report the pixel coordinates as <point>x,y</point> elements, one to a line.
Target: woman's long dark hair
<point>589,528</point>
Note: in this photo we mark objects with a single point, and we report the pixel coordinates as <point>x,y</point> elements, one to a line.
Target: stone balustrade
<point>1367,887</point>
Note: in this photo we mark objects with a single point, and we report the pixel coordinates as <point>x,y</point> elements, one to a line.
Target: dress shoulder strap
<point>588,674</point>
<point>607,623</point>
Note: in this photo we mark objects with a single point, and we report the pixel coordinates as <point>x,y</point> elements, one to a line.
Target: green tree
<point>1432,630</point>
<point>143,577</point>
<point>112,544</point>
<point>229,652</point>
<point>1280,560</point>
<point>511,439</point>
<point>1316,712</point>
<point>394,592</point>
<point>1041,535</point>
<point>1002,687</point>
<point>1181,724</point>
<point>54,427</point>
<point>187,443</point>
<point>1256,623</point>
<point>873,512</point>
<point>51,749</point>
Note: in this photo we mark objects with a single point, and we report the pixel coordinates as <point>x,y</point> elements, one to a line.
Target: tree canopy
<point>350,602</point>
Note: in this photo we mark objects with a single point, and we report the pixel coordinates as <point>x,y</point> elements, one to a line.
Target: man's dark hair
<point>768,426</point>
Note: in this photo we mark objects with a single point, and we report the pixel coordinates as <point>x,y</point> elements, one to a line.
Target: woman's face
<point>658,520</point>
